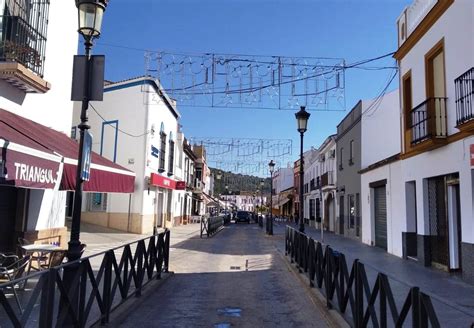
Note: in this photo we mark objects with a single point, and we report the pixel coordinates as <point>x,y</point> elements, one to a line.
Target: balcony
<point>198,186</point>
<point>327,179</point>
<point>464,86</point>
<point>428,123</point>
<point>22,49</point>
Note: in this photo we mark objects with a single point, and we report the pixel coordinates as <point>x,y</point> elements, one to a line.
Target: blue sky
<point>349,29</point>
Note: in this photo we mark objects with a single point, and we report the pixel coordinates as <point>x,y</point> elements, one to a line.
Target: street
<point>235,279</point>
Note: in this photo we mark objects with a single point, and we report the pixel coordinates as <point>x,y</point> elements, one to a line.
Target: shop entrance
<point>8,206</point>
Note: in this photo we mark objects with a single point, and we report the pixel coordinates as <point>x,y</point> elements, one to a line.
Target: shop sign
<point>472,154</point>
<point>154,151</point>
<point>161,181</point>
<point>180,185</point>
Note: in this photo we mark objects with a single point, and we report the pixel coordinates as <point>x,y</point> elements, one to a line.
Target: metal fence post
<point>359,295</point>
<point>107,289</point>
<point>415,306</point>
<point>47,299</point>
<point>167,251</point>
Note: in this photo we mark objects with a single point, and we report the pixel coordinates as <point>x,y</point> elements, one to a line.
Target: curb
<point>332,317</point>
<point>119,315</point>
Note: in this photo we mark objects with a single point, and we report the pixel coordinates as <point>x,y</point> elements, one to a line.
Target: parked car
<point>242,216</point>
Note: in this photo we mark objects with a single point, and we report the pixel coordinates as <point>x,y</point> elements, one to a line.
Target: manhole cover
<point>230,312</point>
<point>235,268</point>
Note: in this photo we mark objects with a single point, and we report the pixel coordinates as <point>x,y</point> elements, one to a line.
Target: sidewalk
<point>453,299</point>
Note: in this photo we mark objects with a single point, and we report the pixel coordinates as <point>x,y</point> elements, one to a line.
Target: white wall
<point>52,109</point>
<point>380,129</point>
<point>456,26</point>
<point>396,213</point>
<point>452,158</point>
<point>283,179</point>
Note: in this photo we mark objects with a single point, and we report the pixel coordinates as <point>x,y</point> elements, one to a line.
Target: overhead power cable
<point>117,128</point>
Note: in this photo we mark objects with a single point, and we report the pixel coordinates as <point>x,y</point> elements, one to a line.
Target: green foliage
<point>238,182</point>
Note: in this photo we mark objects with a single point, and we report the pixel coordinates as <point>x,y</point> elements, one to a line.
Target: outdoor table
<point>43,249</point>
<point>32,248</point>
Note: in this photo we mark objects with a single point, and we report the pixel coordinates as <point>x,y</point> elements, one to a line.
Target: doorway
<point>341,215</point>
<point>412,221</point>
<point>438,221</point>
<point>380,211</point>
<point>8,206</point>
<point>159,209</point>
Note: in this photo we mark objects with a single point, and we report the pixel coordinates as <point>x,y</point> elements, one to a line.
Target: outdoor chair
<point>39,258</point>
<point>13,271</point>
<point>55,258</point>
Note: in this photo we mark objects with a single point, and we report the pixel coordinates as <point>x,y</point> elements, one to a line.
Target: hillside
<point>239,182</point>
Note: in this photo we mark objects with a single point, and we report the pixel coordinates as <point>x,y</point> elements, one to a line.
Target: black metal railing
<point>104,282</point>
<point>23,34</point>
<point>464,86</point>
<point>428,120</point>
<point>349,291</point>
<point>212,225</point>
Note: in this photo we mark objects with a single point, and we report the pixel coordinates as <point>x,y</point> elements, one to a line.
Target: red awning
<point>35,156</point>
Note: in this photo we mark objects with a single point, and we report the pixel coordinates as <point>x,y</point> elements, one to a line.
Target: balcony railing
<point>464,86</point>
<point>428,120</point>
<point>327,179</point>
<point>23,42</point>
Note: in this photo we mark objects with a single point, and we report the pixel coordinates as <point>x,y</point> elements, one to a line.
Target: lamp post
<point>302,119</point>
<point>254,196</point>
<point>218,178</point>
<point>262,183</point>
<point>90,13</point>
<point>227,196</point>
<point>271,167</point>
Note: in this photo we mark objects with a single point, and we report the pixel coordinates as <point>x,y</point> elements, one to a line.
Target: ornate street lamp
<point>90,17</point>
<point>218,178</point>
<point>262,184</point>
<point>302,119</point>
<point>227,196</point>
<point>271,168</point>
<point>90,14</point>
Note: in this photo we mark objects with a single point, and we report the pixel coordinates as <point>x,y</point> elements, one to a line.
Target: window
<point>161,168</point>
<point>318,210</point>
<point>352,211</point>
<point>340,158</point>
<point>171,158</point>
<point>407,99</point>
<point>351,153</point>
<point>311,209</point>
<point>23,29</point>
<point>97,202</point>
<point>199,174</point>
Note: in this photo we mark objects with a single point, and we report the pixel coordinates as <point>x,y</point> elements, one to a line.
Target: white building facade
<point>35,83</point>
<point>327,175</point>
<point>381,176</point>
<point>150,144</point>
<point>311,192</point>
<point>436,62</point>
<point>282,193</point>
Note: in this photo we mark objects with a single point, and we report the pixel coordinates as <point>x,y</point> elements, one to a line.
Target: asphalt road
<point>234,279</point>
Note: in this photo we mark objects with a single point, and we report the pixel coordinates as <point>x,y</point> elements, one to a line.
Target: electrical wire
<point>116,127</point>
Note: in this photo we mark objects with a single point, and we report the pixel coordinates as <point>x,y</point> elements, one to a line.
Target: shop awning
<point>35,156</point>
